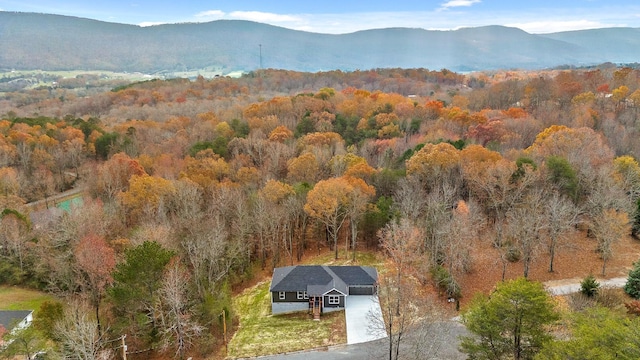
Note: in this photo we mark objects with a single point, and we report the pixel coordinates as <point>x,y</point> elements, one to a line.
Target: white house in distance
<point>14,320</point>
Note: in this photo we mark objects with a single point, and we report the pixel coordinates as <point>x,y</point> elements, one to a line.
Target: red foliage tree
<point>95,261</point>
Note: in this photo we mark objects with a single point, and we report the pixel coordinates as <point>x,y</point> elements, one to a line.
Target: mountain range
<point>30,41</point>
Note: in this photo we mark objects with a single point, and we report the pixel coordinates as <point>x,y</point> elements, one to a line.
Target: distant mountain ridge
<point>31,41</point>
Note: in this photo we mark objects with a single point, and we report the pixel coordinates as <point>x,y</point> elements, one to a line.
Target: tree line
<point>201,183</point>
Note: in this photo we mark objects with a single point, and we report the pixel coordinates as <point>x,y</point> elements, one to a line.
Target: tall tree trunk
<point>552,254</point>
<point>526,262</point>
<point>98,317</point>
<point>354,238</point>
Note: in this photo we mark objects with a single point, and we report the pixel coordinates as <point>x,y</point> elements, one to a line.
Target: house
<point>12,320</point>
<point>319,288</point>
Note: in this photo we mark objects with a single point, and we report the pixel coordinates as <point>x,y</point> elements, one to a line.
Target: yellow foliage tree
<point>303,168</point>
<point>146,196</point>
<point>352,165</point>
<point>433,162</point>
<point>281,134</point>
<point>474,157</point>
<point>276,191</point>
<point>206,169</point>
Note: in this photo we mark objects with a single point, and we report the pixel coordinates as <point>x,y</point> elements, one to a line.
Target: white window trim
<point>306,296</point>
<point>300,295</point>
<point>334,299</point>
<point>281,295</point>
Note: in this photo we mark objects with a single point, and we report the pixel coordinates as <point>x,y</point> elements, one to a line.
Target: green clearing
<point>16,298</point>
<point>67,204</point>
<point>261,333</point>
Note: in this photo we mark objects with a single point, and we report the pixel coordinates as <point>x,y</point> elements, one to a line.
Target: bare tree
<point>562,216</point>
<point>460,231</point>
<point>397,314</point>
<point>415,328</point>
<point>78,334</point>
<point>205,247</point>
<point>498,191</point>
<point>526,223</point>
<point>410,199</point>
<point>356,208</point>
<point>608,228</point>
<point>178,328</point>
<point>401,241</point>
<point>437,214</point>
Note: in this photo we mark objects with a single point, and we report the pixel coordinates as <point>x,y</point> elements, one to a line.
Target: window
<point>334,300</point>
<point>302,295</point>
<point>306,296</point>
<point>281,295</point>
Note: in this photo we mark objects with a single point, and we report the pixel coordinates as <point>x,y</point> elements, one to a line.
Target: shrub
<point>579,302</point>
<point>611,298</point>
<point>633,307</point>
<point>445,282</point>
<point>513,254</point>
<point>589,286</point>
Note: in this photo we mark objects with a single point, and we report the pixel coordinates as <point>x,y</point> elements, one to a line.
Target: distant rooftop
<point>10,318</point>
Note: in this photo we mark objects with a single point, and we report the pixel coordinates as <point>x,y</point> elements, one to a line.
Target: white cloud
<point>218,14</point>
<point>264,17</point>
<point>458,3</point>
<point>151,23</point>
<point>551,26</point>
<point>444,18</point>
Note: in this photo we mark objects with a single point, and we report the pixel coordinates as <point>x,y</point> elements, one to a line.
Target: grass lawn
<point>261,333</point>
<point>16,298</point>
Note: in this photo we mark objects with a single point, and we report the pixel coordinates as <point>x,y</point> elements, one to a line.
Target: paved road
<point>362,314</point>
<point>567,289</point>
<point>51,200</point>
<point>439,342</point>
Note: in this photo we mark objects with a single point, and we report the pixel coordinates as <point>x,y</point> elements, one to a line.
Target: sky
<point>345,16</point>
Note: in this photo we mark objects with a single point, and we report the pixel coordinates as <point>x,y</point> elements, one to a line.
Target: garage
<point>362,290</point>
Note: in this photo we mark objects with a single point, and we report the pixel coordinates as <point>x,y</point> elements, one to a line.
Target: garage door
<point>361,290</point>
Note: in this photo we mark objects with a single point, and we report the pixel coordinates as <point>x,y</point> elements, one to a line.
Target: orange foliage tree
<point>328,202</point>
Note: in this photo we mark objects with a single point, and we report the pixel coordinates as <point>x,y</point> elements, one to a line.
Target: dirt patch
<point>575,260</point>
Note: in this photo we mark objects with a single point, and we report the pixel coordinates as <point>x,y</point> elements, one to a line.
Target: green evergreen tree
<point>632,287</point>
<point>589,286</point>
<point>136,283</point>
<point>510,323</point>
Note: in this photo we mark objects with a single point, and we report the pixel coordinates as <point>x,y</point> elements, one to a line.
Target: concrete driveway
<point>364,319</point>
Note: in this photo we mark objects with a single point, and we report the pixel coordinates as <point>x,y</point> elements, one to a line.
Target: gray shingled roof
<point>10,318</point>
<point>356,275</point>
<point>319,279</point>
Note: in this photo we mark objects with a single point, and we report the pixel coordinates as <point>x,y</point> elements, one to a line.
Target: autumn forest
<point>190,188</point>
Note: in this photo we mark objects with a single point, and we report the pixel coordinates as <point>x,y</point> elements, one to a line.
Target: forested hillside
<point>191,187</point>
<point>51,42</point>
